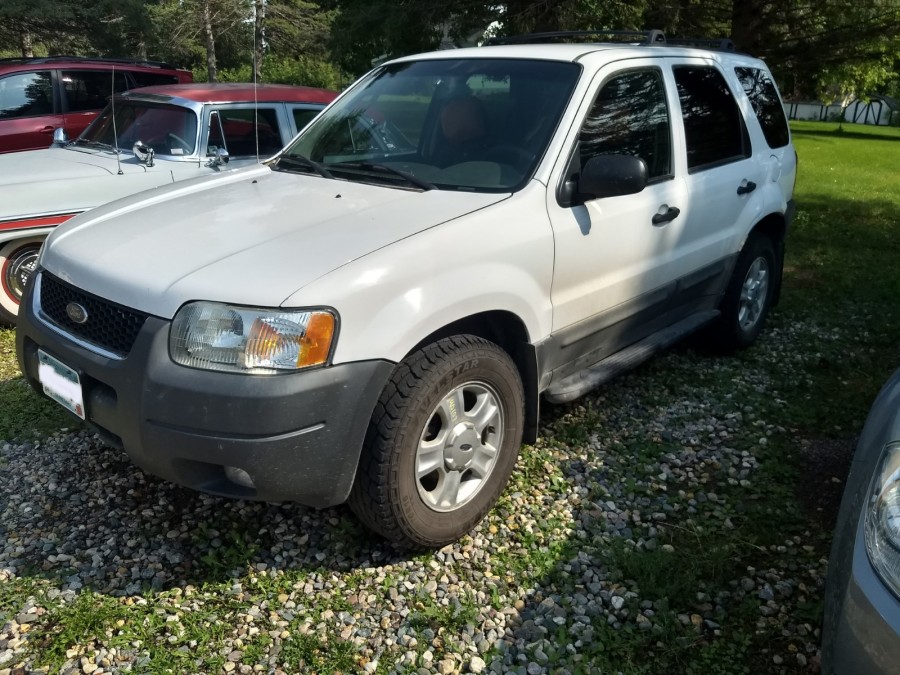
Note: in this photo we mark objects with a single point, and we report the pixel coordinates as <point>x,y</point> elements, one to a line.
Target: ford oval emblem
<point>76,312</point>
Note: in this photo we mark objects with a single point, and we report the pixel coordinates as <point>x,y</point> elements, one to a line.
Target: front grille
<point>109,326</point>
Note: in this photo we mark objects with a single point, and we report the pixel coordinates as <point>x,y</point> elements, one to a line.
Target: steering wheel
<point>174,139</point>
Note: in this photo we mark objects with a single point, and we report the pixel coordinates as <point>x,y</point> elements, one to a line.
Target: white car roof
<point>575,52</point>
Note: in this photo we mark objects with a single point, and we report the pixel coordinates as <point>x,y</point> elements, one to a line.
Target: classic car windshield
<point>168,129</point>
<point>464,124</point>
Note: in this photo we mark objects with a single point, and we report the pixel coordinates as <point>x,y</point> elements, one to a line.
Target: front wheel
<point>18,260</point>
<point>748,299</point>
<point>442,443</point>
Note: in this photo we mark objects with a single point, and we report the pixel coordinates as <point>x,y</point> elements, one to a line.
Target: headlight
<point>883,518</point>
<point>214,336</point>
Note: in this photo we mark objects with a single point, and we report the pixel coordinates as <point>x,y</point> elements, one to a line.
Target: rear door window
<point>713,125</point>
<point>91,89</point>
<point>766,104</point>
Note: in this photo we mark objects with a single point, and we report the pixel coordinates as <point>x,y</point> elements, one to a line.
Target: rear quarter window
<point>144,79</point>
<point>766,104</point>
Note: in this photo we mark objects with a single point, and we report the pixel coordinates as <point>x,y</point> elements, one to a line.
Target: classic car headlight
<point>215,336</point>
<point>883,518</point>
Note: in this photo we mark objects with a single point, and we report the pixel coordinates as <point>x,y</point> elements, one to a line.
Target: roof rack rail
<point>722,44</point>
<point>648,37</point>
<point>77,59</point>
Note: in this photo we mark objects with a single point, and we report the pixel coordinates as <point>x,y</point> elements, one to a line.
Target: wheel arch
<point>7,236</point>
<point>774,226</point>
<point>509,332</point>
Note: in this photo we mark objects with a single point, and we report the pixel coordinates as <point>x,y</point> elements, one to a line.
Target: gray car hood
<point>68,180</point>
<point>252,237</point>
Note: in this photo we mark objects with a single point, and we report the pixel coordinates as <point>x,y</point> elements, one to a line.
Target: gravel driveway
<point>634,533</point>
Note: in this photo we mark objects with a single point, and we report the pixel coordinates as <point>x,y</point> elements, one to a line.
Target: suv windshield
<point>168,129</point>
<point>454,124</point>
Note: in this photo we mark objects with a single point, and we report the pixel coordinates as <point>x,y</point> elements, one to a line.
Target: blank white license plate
<point>61,383</point>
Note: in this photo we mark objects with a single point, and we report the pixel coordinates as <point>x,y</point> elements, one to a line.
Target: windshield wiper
<point>286,161</point>
<point>384,168</point>
<point>92,144</point>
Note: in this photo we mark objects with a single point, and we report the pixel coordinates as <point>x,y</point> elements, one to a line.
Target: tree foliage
<point>812,45</point>
<point>209,36</point>
<point>829,48</point>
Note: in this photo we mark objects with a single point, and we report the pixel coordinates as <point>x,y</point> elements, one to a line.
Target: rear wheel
<point>441,444</point>
<point>748,298</point>
<point>18,260</point>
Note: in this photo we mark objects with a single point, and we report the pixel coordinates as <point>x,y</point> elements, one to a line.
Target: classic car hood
<point>54,163</point>
<point>63,180</point>
<point>252,236</point>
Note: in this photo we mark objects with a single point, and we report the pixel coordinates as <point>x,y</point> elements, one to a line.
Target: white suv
<point>374,315</point>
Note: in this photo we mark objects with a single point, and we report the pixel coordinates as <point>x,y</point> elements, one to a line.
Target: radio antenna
<point>255,100</point>
<point>112,104</point>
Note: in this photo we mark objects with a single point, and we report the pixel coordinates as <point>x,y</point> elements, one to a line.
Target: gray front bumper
<point>298,435</point>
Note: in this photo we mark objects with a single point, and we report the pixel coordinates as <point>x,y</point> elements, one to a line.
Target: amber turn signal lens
<point>316,343</point>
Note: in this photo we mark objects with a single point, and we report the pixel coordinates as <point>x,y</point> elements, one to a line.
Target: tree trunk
<point>210,42</point>
<point>27,47</point>
<point>259,39</point>
<point>747,21</point>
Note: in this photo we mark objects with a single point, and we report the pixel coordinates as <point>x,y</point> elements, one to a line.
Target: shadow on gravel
<point>80,515</point>
<point>689,550</point>
<point>827,463</point>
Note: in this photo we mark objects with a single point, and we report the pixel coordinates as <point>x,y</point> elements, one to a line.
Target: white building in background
<point>880,110</point>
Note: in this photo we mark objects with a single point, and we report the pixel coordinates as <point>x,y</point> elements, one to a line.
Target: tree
<point>107,27</point>
<point>259,38</point>
<point>806,42</point>
<point>190,30</point>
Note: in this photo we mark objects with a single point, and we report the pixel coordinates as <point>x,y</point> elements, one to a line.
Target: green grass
<point>24,414</point>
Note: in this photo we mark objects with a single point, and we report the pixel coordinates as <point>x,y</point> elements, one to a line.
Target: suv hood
<point>251,237</point>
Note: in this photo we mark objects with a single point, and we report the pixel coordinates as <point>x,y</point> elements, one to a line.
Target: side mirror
<point>143,153</point>
<point>611,176</point>
<point>222,157</point>
<point>60,138</point>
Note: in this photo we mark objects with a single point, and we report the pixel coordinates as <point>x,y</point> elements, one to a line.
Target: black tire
<point>417,422</point>
<point>748,299</point>
<point>18,260</point>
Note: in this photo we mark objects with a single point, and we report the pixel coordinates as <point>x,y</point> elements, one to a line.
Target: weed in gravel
<point>453,616</point>
<point>307,653</point>
<point>88,618</point>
